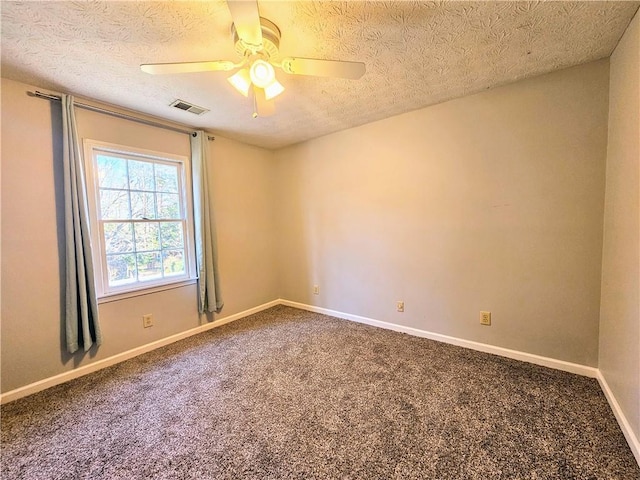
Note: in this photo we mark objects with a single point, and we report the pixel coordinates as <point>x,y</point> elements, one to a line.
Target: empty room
<point>320,240</point>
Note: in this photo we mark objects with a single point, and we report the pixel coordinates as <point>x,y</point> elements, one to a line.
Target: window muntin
<point>141,219</point>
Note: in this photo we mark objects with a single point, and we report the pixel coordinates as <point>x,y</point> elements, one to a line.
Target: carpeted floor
<point>291,394</point>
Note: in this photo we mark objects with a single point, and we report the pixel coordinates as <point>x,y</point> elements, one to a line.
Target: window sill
<point>114,297</point>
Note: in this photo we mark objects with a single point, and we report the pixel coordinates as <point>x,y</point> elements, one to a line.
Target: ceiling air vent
<point>189,107</point>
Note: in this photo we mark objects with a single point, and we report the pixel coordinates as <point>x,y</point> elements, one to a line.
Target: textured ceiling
<point>417,54</point>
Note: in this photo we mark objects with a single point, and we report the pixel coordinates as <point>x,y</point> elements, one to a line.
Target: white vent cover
<point>189,107</point>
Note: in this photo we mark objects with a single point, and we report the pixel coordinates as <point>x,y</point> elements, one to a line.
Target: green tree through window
<point>141,213</point>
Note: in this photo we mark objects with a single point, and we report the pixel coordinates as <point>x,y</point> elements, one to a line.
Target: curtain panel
<point>81,306</point>
<point>209,295</point>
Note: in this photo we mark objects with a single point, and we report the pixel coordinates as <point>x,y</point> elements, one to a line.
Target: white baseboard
<point>482,347</point>
<point>121,357</point>
<point>628,432</point>
<point>584,370</point>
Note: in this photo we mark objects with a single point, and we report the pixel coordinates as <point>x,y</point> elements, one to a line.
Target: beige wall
<point>31,333</point>
<point>620,309</point>
<point>488,202</point>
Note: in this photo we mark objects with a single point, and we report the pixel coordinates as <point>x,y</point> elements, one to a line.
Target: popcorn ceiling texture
<point>291,394</point>
<point>417,54</point>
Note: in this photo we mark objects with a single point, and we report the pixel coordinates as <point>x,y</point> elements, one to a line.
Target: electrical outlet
<point>400,306</point>
<point>147,320</point>
<point>485,318</point>
<point>316,290</point>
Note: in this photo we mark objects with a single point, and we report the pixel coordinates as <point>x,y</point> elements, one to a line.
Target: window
<point>141,223</point>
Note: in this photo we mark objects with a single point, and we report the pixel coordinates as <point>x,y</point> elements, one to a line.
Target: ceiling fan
<point>257,41</point>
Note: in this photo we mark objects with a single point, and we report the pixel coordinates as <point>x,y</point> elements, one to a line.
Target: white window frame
<point>92,148</point>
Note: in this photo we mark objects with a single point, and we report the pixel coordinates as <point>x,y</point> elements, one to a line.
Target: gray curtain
<point>209,297</point>
<point>81,319</point>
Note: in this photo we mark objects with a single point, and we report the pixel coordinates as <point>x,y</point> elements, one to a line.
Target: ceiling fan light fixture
<point>273,90</point>
<point>257,41</point>
<point>262,73</point>
<point>241,81</point>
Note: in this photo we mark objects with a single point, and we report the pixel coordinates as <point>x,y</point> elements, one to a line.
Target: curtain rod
<point>124,116</point>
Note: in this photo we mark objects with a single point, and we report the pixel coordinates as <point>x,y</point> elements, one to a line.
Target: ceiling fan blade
<point>261,106</point>
<point>187,67</point>
<point>246,20</point>
<point>323,68</point>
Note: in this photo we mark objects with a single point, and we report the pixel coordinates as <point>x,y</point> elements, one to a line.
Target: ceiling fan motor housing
<point>270,40</point>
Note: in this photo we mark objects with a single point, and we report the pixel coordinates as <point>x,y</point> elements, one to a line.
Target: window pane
<point>147,236</point>
<point>171,233</point>
<point>168,205</point>
<point>142,219</point>
<point>112,172</point>
<point>114,205</point>
<point>141,175</point>
<point>166,178</point>
<point>143,205</point>
<point>149,266</point>
<point>118,237</point>
<point>121,269</point>
<point>173,262</point>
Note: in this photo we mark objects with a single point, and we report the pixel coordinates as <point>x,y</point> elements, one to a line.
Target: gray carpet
<point>292,394</point>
